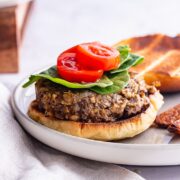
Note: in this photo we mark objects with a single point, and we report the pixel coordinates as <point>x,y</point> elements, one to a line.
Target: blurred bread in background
<point>162,59</point>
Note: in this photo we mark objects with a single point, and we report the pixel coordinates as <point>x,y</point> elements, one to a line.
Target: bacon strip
<point>175,127</point>
<point>170,119</point>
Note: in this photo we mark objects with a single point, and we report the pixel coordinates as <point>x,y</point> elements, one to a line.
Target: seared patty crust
<point>87,106</point>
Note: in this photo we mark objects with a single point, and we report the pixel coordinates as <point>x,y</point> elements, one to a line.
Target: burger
<point>90,93</point>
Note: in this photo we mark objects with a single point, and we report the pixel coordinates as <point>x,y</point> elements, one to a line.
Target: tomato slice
<point>69,69</point>
<point>71,50</point>
<point>97,56</point>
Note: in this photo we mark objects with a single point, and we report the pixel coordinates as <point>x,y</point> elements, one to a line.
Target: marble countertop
<point>56,25</point>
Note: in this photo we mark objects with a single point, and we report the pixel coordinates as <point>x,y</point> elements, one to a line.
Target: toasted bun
<point>162,59</point>
<point>102,131</point>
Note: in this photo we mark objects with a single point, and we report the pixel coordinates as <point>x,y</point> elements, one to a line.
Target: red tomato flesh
<point>97,56</point>
<point>70,70</point>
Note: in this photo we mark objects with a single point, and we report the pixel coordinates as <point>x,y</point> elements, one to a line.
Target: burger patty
<point>87,106</point>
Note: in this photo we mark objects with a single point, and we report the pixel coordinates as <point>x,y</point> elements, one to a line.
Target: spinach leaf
<point>52,75</point>
<point>109,83</point>
<point>120,80</point>
<point>124,53</point>
<point>132,60</point>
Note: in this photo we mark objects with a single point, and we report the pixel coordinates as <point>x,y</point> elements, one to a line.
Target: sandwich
<point>162,59</point>
<point>90,93</point>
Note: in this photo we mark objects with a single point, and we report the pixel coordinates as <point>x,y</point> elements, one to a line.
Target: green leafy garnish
<point>131,60</point>
<point>52,75</point>
<point>120,80</point>
<point>124,53</point>
<point>111,82</point>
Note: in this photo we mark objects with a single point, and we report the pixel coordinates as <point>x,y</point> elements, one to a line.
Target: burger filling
<point>84,105</point>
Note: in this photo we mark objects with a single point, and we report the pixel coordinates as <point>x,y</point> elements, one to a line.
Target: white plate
<point>119,153</point>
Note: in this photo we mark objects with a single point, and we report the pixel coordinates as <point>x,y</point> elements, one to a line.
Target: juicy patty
<point>87,106</point>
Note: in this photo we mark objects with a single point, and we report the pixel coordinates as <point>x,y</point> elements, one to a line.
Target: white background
<point>58,24</point>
